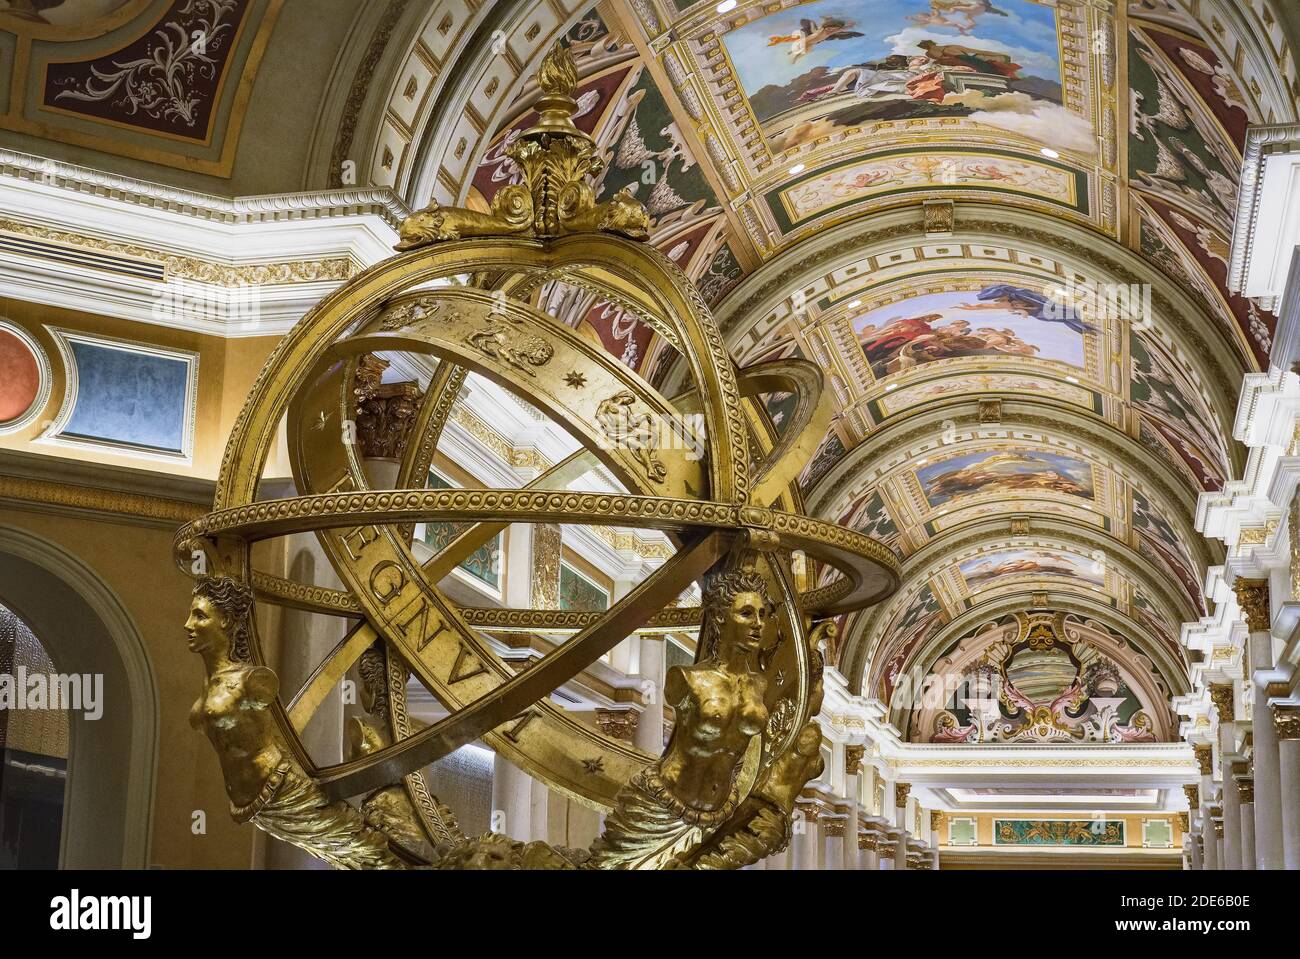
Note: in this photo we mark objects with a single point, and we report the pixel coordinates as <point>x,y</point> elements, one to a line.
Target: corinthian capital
<point>1252,596</point>
<point>1223,696</point>
<point>1286,720</point>
<point>1205,758</point>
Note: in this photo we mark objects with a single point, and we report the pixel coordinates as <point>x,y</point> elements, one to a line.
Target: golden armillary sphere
<point>744,742</point>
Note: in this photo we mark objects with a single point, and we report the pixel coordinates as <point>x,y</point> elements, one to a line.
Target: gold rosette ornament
<point>706,468</point>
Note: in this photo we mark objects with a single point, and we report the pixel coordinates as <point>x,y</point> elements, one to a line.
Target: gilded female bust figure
<point>265,785</point>
<point>720,708</point>
<point>718,701</point>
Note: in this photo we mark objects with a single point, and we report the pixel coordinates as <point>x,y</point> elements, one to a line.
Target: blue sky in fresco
<point>1028,33</point>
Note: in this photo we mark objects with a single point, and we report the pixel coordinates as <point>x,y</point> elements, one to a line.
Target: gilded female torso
<point>718,713</point>
<point>233,713</point>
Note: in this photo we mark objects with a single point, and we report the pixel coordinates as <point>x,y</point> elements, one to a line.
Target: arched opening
<point>33,750</point>
<point>111,754</point>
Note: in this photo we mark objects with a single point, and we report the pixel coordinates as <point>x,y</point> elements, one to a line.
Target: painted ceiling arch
<point>1040,677</point>
<point>1001,227</point>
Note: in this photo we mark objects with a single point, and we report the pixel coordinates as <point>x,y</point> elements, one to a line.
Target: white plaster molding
<point>1267,227</point>
<point>151,223</point>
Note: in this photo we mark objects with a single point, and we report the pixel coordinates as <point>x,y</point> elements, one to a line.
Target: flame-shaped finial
<point>557,77</point>
<point>558,74</point>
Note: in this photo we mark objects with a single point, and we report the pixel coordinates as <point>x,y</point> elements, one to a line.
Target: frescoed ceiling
<point>1001,226</point>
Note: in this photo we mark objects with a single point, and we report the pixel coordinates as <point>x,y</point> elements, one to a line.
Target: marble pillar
<point>650,727</point>
<point>1209,844</point>
<point>512,799</point>
<point>1224,698</point>
<point>853,790</point>
<point>1253,597</point>
<point>832,836</point>
<point>1286,722</point>
<point>804,839</point>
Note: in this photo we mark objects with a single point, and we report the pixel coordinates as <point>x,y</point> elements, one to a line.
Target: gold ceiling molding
<point>263,208</point>
<point>46,494</point>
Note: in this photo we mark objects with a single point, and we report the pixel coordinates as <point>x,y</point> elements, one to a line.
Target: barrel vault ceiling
<point>919,196</point>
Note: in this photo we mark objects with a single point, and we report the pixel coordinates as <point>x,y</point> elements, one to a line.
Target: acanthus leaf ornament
<point>555,159</point>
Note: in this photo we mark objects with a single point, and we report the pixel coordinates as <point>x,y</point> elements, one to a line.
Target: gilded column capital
<point>1252,597</point>
<point>1286,720</point>
<point>936,820</point>
<point>1204,758</point>
<point>1184,822</point>
<point>868,841</point>
<point>385,412</point>
<point>1193,792</point>
<point>853,759</point>
<point>1218,829</point>
<point>900,794</point>
<point>1223,696</point>
<point>619,723</point>
<point>832,825</point>
<point>1246,789</point>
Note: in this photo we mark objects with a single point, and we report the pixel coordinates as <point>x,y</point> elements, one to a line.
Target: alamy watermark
<point>77,692</point>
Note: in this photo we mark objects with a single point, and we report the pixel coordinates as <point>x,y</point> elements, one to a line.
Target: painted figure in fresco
<point>264,783</point>
<point>1025,302</point>
<point>920,79</point>
<point>981,61</point>
<point>907,342</point>
<point>945,13</point>
<point>810,34</point>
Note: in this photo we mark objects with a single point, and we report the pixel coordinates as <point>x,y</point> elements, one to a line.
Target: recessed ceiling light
<point>855,304</point>
<point>922,461</point>
<point>726,6</point>
<point>891,386</point>
<point>796,169</point>
<point>1051,154</point>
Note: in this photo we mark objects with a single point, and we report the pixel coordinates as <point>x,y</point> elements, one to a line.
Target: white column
<point>853,790</point>
<point>1224,697</point>
<point>1209,842</point>
<point>900,813</point>
<point>1266,825</point>
<point>1286,721</point>
<point>512,799</point>
<point>649,734</point>
<point>1247,823</point>
<point>832,832</point>
<point>803,843</point>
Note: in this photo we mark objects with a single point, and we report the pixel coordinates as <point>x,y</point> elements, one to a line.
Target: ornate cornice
<point>204,206</point>
<point>1252,596</point>
<point>619,723</point>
